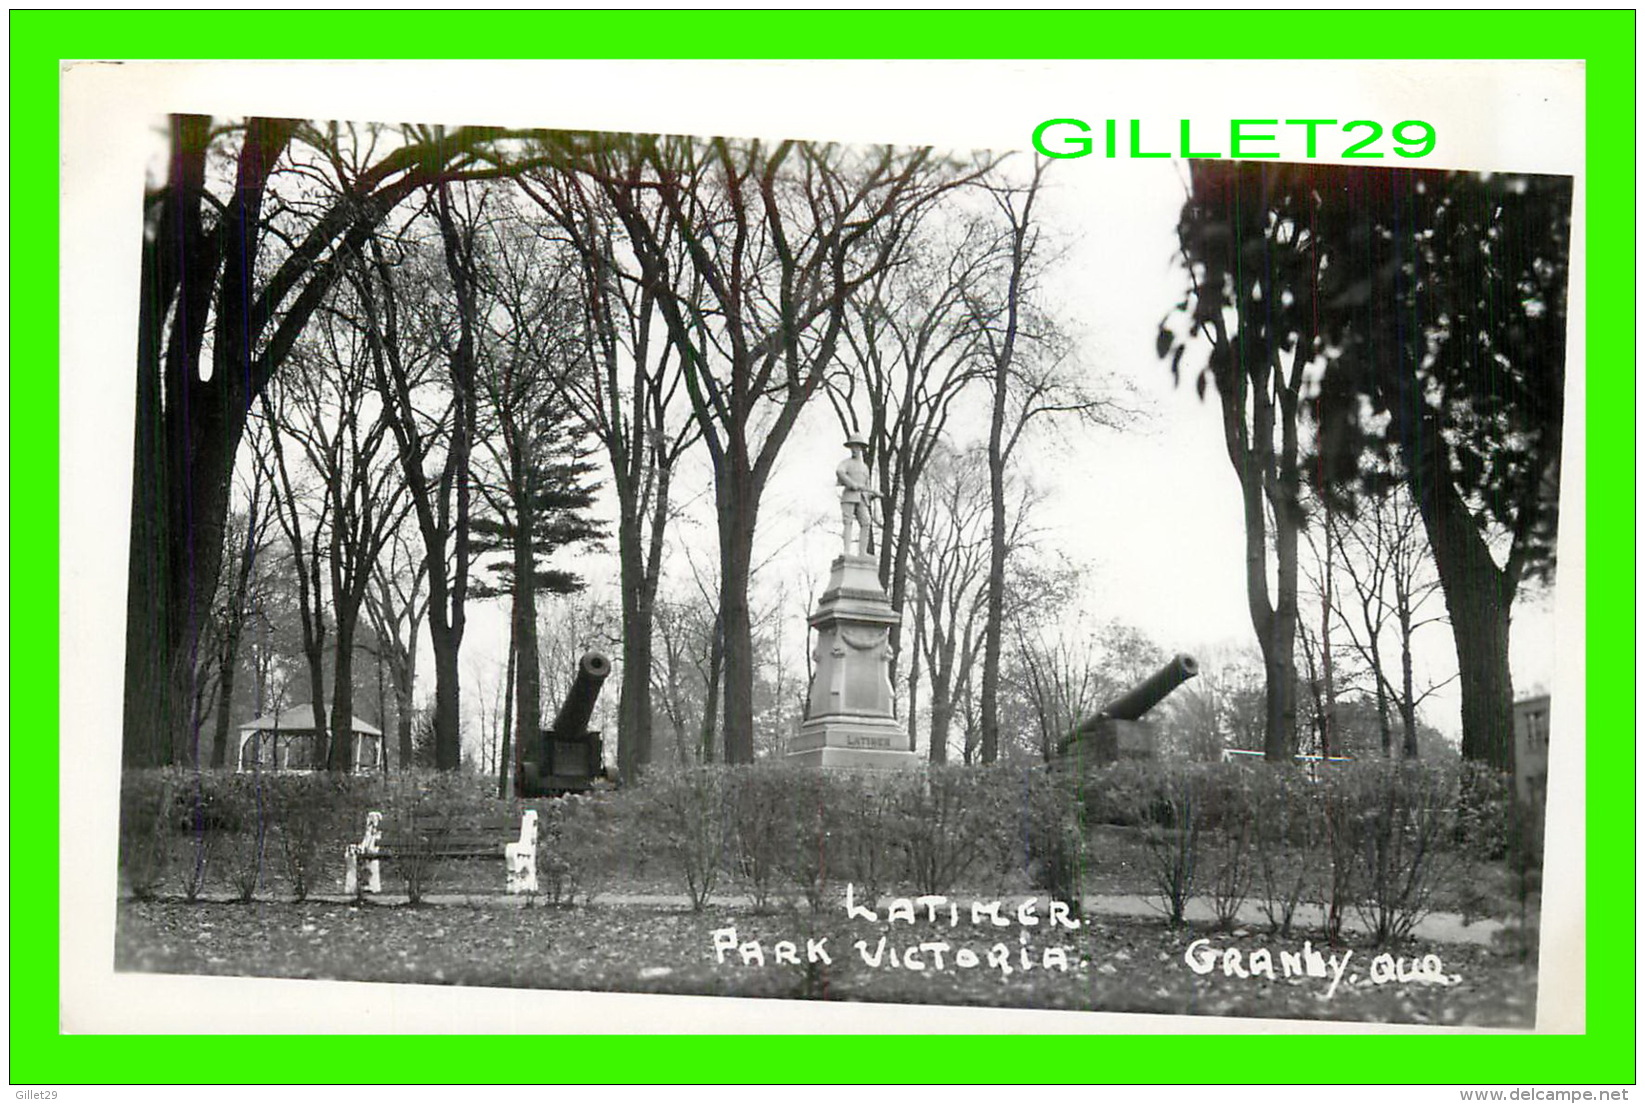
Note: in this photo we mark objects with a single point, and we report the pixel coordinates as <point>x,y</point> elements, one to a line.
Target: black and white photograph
<point>1110,571</point>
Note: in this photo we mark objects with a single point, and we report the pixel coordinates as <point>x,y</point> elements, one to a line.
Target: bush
<point>1406,816</point>
<point>689,825</point>
<point>578,838</point>
<point>945,820</point>
<point>816,853</point>
<point>761,806</point>
<point>146,833</point>
<point>1286,838</point>
<point>1230,818</point>
<point>1485,798</point>
<point>1053,835</point>
<point>299,807</point>
<point>249,803</point>
<point>870,811</point>
<point>1171,810</point>
<point>1123,795</point>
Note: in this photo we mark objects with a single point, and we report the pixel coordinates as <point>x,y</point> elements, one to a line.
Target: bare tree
<point>1031,378</point>
<point>630,396</point>
<point>396,604</point>
<point>951,542</point>
<point>1382,550</point>
<point>304,514</point>
<point>778,238</point>
<point>250,534</point>
<point>441,497</point>
<point>241,245</point>
<point>335,417</point>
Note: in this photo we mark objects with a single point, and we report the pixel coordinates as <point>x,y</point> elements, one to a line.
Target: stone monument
<point>850,714</point>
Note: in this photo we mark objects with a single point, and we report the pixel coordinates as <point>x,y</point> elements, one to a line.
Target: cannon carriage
<point>568,756</point>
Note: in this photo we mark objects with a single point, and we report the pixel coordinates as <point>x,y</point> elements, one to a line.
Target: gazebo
<point>285,741</point>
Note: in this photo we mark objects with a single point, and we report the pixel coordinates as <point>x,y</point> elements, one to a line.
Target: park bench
<point>425,837</point>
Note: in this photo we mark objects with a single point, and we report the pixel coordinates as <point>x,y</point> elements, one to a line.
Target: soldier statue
<point>853,475</point>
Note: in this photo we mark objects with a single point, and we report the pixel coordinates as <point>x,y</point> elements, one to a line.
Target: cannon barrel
<point>1101,727</point>
<point>1152,690</point>
<point>572,719</point>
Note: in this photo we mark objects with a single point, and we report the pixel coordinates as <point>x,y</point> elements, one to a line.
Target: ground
<point>1114,963</point>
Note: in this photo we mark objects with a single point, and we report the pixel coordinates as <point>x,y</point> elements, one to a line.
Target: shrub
<point>429,807</point>
<point>689,825</point>
<point>1485,798</point>
<point>870,808</point>
<point>577,838</point>
<point>760,805</point>
<point>249,801</point>
<point>196,865</point>
<point>816,833</point>
<point>945,820</point>
<point>1401,829</point>
<point>1170,810</point>
<point>299,808</point>
<point>1229,817</point>
<point>1286,838</point>
<point>147,836</point>
<point>1123,795</point>
<point>1340,802</point>
<point>1053,835</point>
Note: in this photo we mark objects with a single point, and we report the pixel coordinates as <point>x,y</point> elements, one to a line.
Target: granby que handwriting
<point>1202,958</point>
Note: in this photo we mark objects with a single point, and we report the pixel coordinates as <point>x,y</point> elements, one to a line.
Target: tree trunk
<point>711,690</point>
<point>1407,698</point>
<point>528,679</point>
<point>992,629</point>
<point>382,710</point>
<point>341,758</point>
<point>914,672</point>
<point>942,714</point>
<point>505,758</point>
<point>738,503</point>
<point>1479,604</point>
<point>188,429</point>
<point>448,750</point>
<point>641,569</point>
<point>225,704</point>
<point>314,652</point>
<point>404,707</point>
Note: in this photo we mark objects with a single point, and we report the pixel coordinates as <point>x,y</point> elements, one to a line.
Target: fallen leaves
<point>1120,965</point>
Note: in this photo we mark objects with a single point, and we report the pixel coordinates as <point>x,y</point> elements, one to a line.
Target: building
<point>1531,748</point>
<point>285,740</point>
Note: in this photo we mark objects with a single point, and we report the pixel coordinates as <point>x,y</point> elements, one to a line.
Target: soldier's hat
<point>856,439</point>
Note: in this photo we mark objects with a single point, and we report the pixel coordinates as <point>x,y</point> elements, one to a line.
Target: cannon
<point>568,756</point>
<point>1115,731</point>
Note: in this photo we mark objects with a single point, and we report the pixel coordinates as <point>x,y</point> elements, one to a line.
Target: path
<point>1437,927</point>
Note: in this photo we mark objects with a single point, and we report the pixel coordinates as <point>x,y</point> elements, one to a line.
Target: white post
<point>351,858</point>
<point>521,856</point>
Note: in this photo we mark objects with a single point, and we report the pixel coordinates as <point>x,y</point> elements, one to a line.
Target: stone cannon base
<point>1107,741</point>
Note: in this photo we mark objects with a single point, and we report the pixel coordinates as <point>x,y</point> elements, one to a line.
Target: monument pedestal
<point>850,717</point>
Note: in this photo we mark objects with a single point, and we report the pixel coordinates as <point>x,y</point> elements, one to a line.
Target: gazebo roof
<point>300,718</point>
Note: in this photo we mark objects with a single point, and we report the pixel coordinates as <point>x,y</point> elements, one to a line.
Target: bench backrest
<point>497,829</point>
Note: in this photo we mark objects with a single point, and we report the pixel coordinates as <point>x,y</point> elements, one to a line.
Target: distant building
<point>286,740</point>
<point>1531,748</point>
